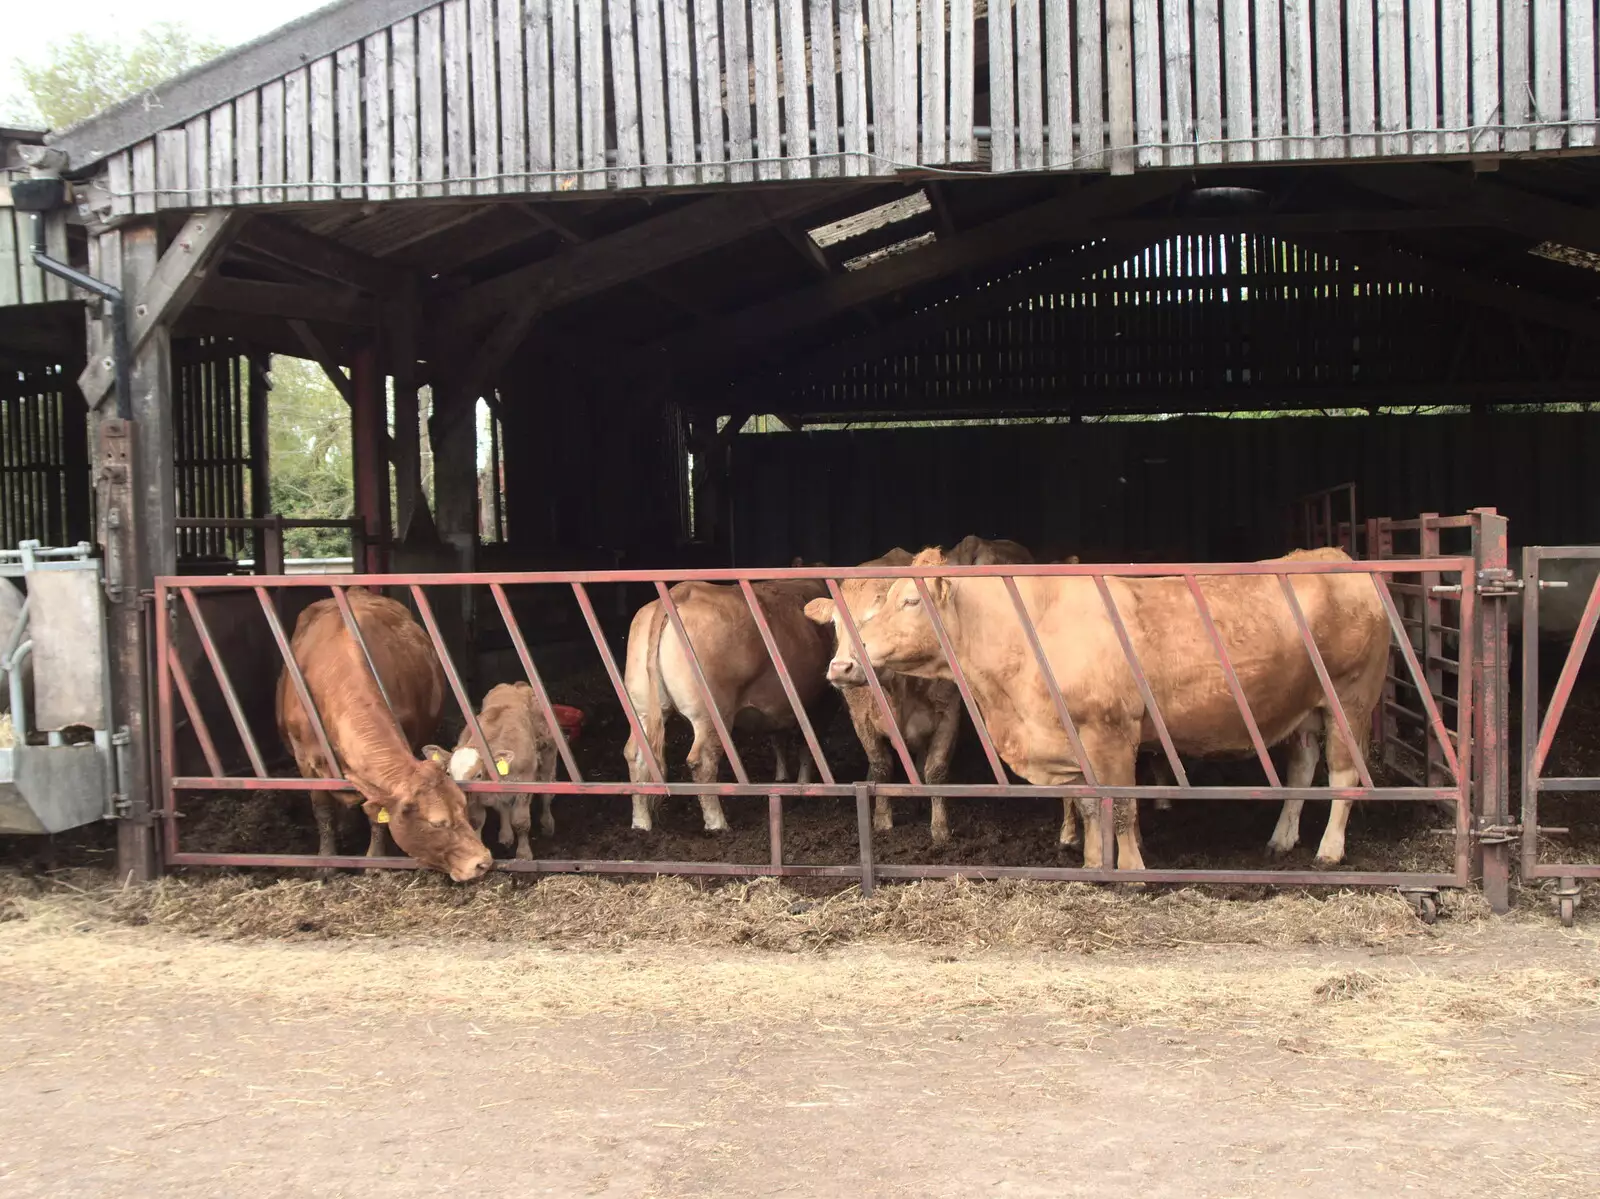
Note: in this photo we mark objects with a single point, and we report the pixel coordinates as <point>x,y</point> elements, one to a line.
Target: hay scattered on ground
<point>764,914</point>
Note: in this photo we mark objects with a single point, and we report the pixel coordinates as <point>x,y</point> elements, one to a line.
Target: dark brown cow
<point>418,801</point>
<point>1343,612</point>
<point>524,751</point>
<point>928,711</point>
<point>741,677</point>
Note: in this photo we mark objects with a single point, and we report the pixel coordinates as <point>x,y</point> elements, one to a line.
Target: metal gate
<point>1539,730</point>
<point>180,609</point>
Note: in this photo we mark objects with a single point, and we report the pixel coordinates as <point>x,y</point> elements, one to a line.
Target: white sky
<point>30,25</point>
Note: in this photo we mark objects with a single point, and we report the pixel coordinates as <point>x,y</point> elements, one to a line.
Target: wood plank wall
<point>20,281</point>
<point>491,96</point>
<point>211,431</point>
<point>44,458</point>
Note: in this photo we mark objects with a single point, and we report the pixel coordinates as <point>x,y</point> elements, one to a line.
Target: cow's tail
<point>653,719</point>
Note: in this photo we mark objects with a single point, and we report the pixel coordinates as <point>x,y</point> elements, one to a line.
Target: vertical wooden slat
<point>1146,81</point>
<point>198,130</point>
<point>144,176</point>
<point>1207,80</point>
<point>55,245</point>
<point>1360,82</point>
<point>1091,86</point>
<point>736,49</point>
<point>962,80</point>
<point>1237,80</point>
<point>1392,75</point>
<point>246,147</point>
<point>1547,41</point>
<point>624,93</point>
<point>457,99</point>
<point>172,168</point>
<point>513,96</point>
<point>1486,109</point>
<point>796,100</point>
<point>712,136</point>
<point>272,142</point>
<point>1119,86</point>
<point>221,149</point>
<point>11,269</point>
<point>1455,76</point>
<point>566,155</point>
<point>680,89</point>
<point>297,134</point>
<point>853,87</point>
<point>540,77</point>
<point>764,56</point>
<point>903,14</point>
<point>1030,86</point>
<point>1515,77</point>
<point>934,85</point>
<point>119,174</point>
<point>1580,73</point>
<point>431,133</point>
<point>824,88</point>
<point>404,128</point>
<point>880,54</point>
<point>347,104</point>
<point>1330,81</point>
<point>485,99</point>
<point>1299,80</point>
<point>1423,74</point>
<point>1179,74</point>
<point>1002,109</point>
<point>592,90</point>
<point>378,117</point>
<point>1269,81</point>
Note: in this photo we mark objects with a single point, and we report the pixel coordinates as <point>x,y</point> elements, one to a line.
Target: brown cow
<point>1344,613</point>
<point>418,801</point>
<point>524,751</point>
<point>738,671</point>
<point>928,711</point>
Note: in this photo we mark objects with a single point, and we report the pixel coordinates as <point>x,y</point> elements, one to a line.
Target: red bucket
<point>570,719</point>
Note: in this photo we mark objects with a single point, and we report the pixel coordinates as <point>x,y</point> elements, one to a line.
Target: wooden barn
<point>747,279</point>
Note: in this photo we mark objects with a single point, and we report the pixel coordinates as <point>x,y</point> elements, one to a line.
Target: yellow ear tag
<point>383,815</point>
<point>504,768</point>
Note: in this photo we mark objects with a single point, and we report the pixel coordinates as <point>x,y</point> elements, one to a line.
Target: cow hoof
<point>547,829</point>
<point>1328,861</point>
<point>1277,849</point>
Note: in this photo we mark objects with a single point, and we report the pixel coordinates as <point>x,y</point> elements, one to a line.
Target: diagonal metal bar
<point>782,668</point>
<point>229,696</point>
<point>354,626</point>
<point>1326,680</point>
<point>1062,714</point>
<point>196,721</point>
<point>536,681</point>
<point>298,679</point>
<point>884,707</point>
<point>586,606</point>
<point>167,801</point>
<point>1567,678</point>
<point>1234,685</point>
<point>1143,681</point>
<point>1408,651</point>
<point>961,681</point>
<point>710,700</point>
<point>479,741</point>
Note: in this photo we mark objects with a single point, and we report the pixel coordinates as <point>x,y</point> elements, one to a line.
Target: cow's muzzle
<point>473,868</point>
<point>846,672</point>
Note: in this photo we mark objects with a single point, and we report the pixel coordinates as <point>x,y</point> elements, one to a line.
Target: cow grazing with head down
<point>743,683</point>
<point>524,751</point>
<point>1347,623</point>
<point>927,711</point>
<point>416,800</point>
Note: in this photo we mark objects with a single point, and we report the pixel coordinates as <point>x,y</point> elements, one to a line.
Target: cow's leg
<point>378,842</point>
<point>780,757</point>
<point>1302,765</point>
<point>936,769</point>
<point>807,769</point>
<point>705,758</point>
<point>547,819</point>
<point>880,769</point>
<point>1163,778</point>
<point>520,824</point>
<point>1073,814</point>
<point>325,808</point>
<point>1342,772</point>
<point>478,813</point>
<point>639,772</point>
<point>1114,758</point>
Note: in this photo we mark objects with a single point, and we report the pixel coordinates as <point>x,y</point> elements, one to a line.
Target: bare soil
<point>145,1060</point>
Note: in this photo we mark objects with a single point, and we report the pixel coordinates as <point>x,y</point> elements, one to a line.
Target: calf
<point>743,684</point>
<point>524,751</point>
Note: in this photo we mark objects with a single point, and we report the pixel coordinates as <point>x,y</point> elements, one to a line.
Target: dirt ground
<point>1300,1047</point>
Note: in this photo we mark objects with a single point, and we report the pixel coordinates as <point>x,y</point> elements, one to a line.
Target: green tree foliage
<point>84,74</point>
<point>309,446</point>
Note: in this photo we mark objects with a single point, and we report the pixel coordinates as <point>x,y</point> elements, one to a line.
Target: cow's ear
<point>796,562</point>
<point>1072,560</point>
<point>932,556</point>
<point>436,754</point>
<point>502,762</point>
<point>377,811</point>
<point>820,611</point>
<point>938,588</point>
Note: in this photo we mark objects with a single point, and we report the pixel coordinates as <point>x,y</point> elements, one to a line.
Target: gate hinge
<point>1498,580</point>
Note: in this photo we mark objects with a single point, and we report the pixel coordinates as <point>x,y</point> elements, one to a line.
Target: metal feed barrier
<point>178,600</point>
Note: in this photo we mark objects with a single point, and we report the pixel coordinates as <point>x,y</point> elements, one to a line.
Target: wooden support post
<point>260,452</point>
<point>368,420</point>
<point>453,431</point>
<point>400,327</point>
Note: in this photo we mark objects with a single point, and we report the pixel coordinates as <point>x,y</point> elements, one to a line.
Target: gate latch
<point>1498,580</point>
<point>1497,834</point>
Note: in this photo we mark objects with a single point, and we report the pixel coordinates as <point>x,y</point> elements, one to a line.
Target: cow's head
<point>863,597</point>
<point>465,763</point>
<point>427,813</point>
<point>895,631</point>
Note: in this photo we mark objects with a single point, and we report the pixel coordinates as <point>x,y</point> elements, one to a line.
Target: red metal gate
<point>1539,732</point>
<point>178,605</point>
